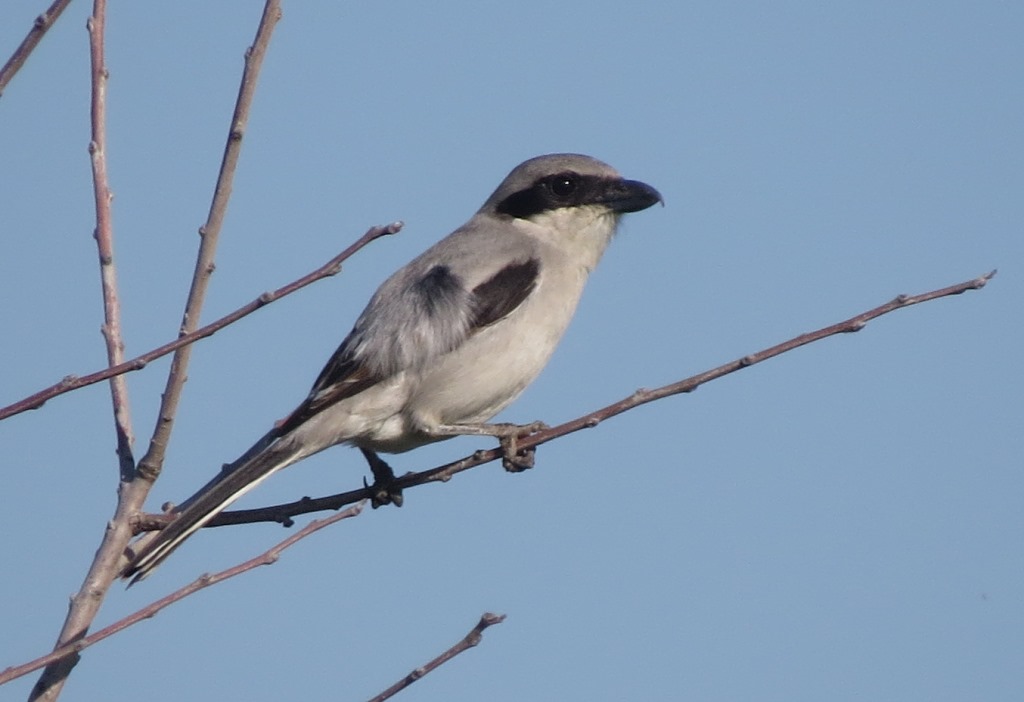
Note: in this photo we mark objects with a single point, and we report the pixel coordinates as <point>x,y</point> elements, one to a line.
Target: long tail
<point>265,458</point>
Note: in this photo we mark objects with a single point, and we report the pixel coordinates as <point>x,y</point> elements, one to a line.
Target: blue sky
<point>841,523</point>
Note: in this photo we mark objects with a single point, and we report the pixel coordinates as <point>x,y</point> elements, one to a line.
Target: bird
<point>447,341</point>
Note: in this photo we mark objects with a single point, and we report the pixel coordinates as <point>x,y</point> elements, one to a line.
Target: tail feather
<point>239,478</point>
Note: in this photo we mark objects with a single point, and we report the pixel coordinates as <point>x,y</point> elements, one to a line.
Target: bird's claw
<point>513,458</point>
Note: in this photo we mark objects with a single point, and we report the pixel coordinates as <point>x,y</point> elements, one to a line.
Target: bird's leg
<point>514,459</point>
<point>384,489</point>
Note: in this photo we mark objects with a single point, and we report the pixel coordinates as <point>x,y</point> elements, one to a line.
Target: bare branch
<point>150,465</point>
<point>283,513</point>
<point>470,640</point>
<point>132,491</point>
<point>104,235</point>
<point>28,44</point>
<point>73,382</point>
<point>268,557</point>
<point>86,603</point>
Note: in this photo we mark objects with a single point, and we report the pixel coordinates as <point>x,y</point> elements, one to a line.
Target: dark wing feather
<point>503,292</point>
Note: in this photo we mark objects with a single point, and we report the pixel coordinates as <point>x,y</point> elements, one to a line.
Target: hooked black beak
<point>630,196</point>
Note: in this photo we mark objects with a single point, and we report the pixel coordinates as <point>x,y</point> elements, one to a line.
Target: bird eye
<point>563,185</point>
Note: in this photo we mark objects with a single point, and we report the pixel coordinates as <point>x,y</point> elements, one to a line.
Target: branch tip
<point>489,619</point>
<point>471,639</point>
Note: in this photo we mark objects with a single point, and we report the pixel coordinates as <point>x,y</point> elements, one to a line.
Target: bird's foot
<point>513,458</point>
<point>384,488</point>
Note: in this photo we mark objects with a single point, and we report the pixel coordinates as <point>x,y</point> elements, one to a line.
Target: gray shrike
<point>446,342</point>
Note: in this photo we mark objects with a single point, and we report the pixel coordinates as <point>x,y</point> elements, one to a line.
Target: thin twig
<point>470,640</point>
<point>283,513</point>
<point>268,557</point>
<point>74,382</point>
<point>104,235</point>
<point>151,463</point>
<point>42,23</point>
<point>86,602</point>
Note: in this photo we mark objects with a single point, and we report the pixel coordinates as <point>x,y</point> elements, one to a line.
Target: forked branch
<point>132,492</point>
